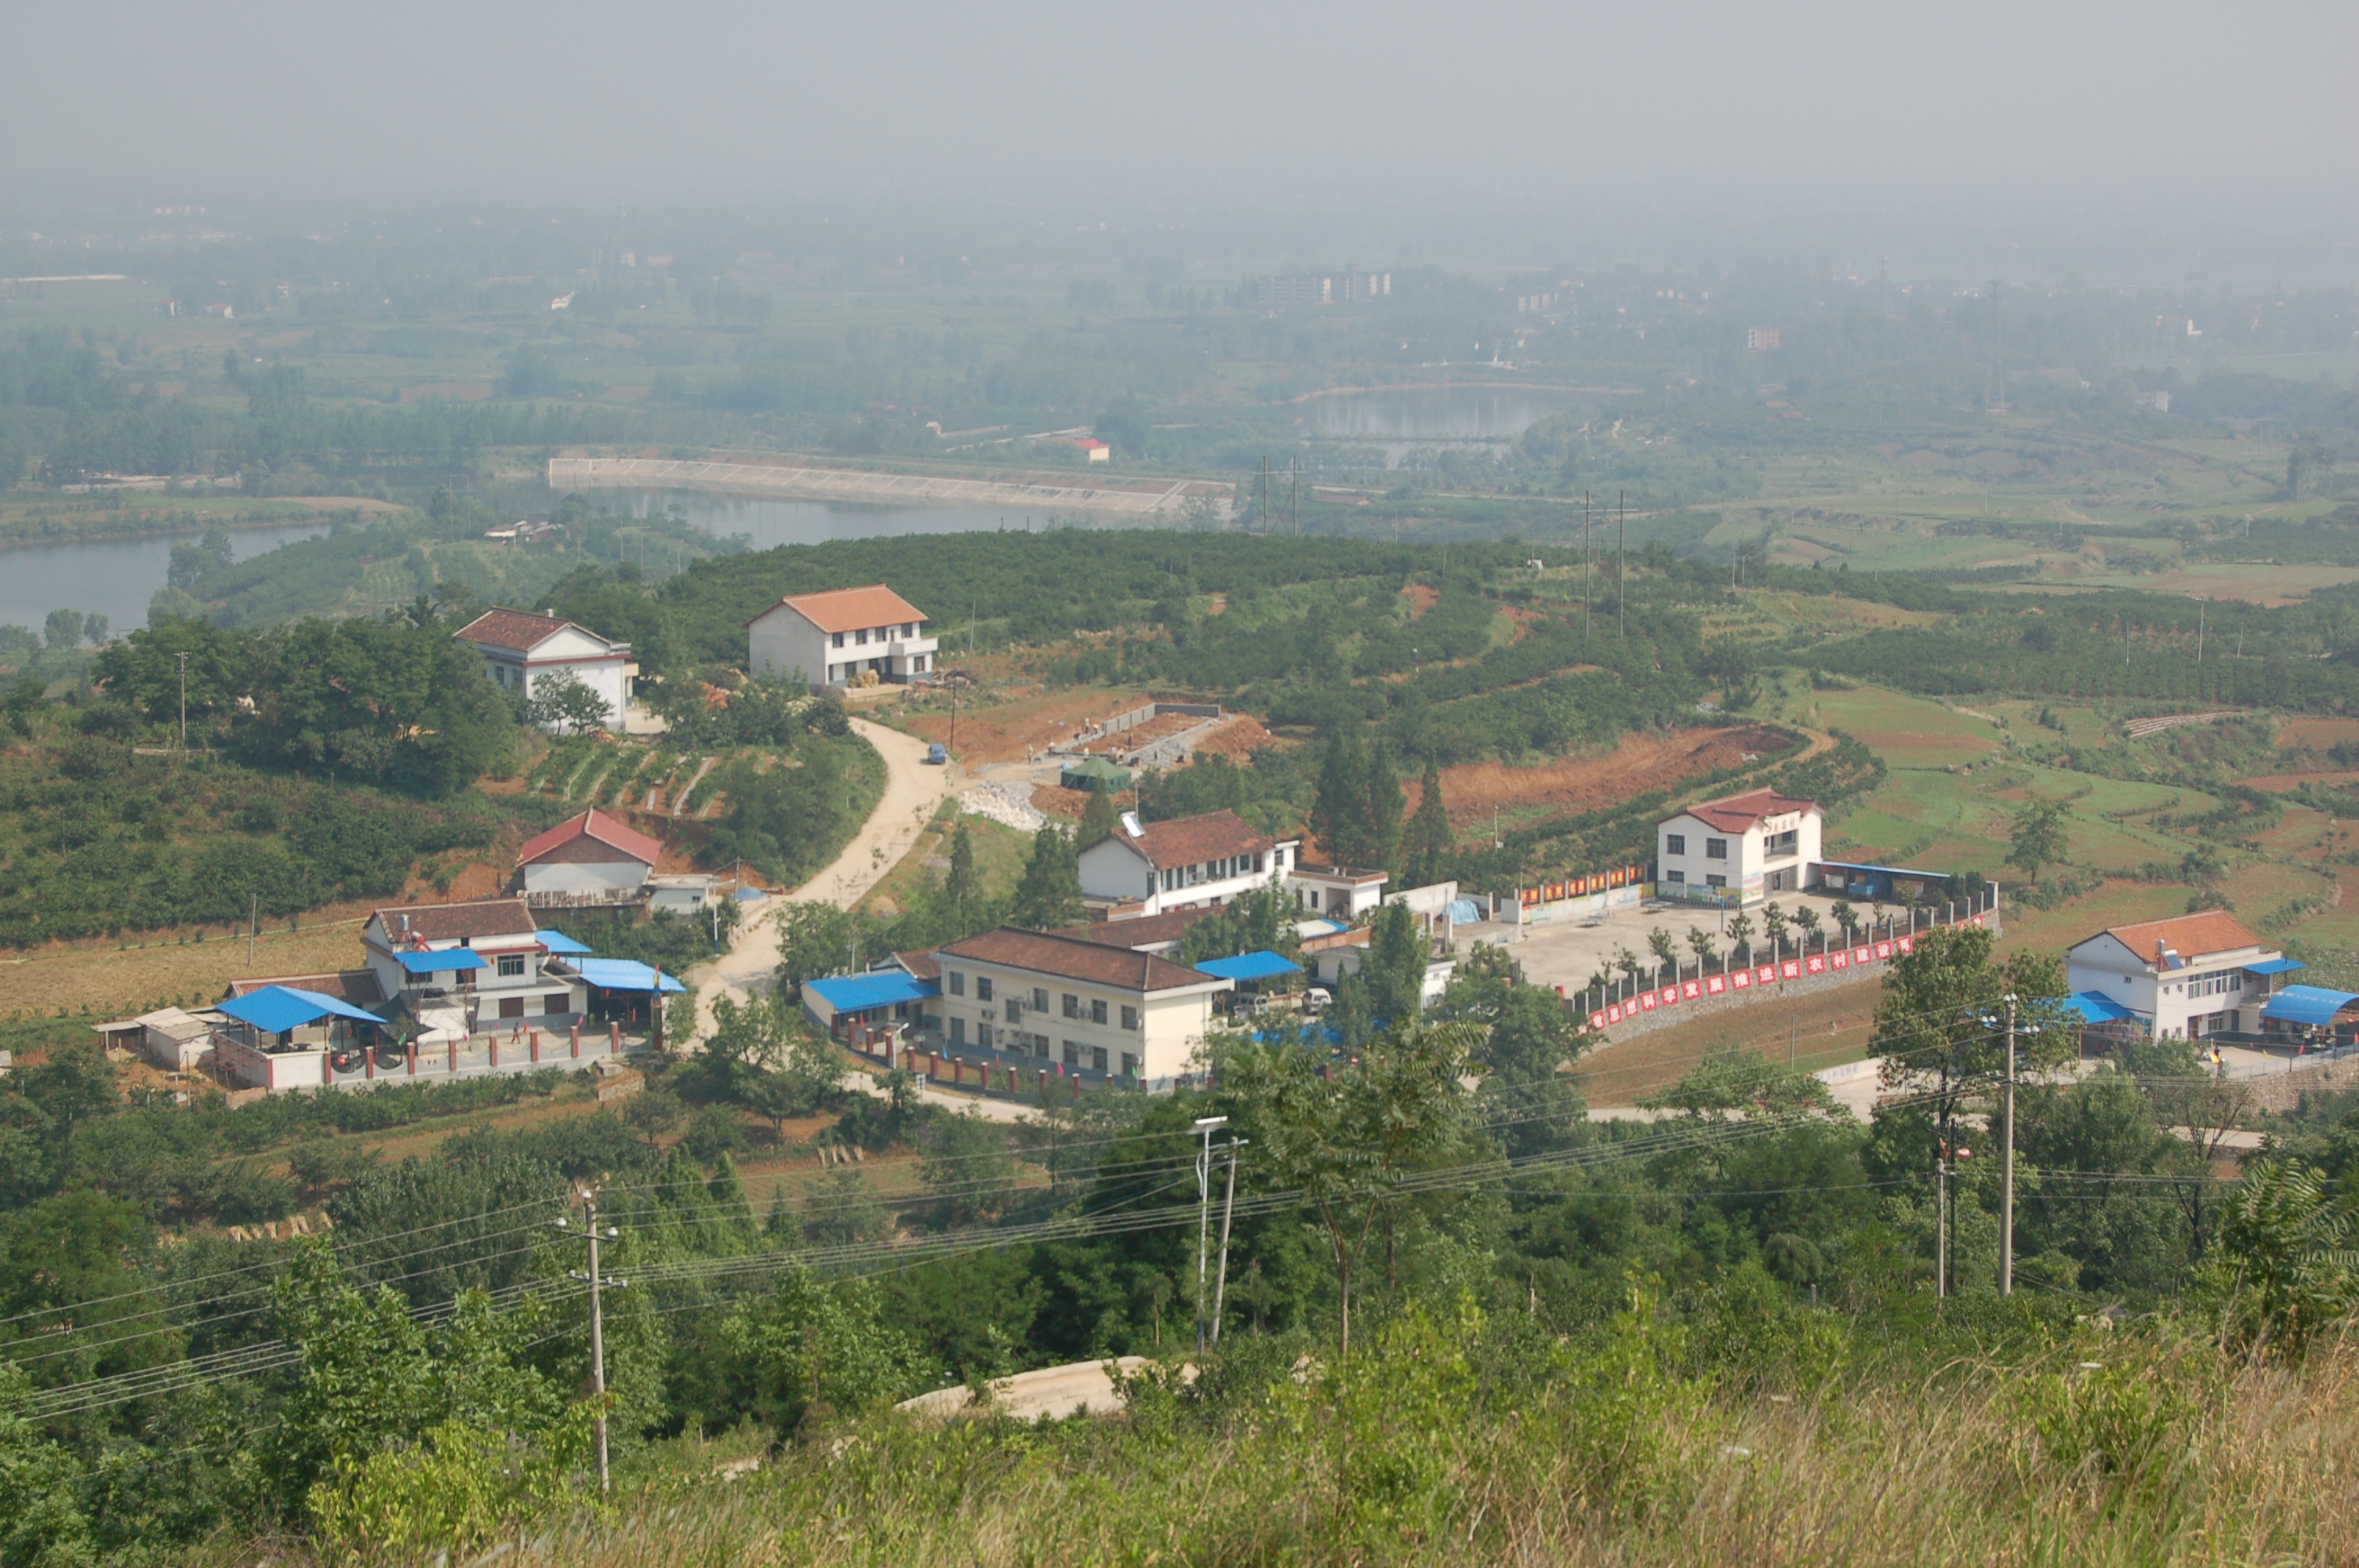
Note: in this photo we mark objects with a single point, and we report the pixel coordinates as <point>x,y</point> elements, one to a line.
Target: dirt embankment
<point>1641,763</point>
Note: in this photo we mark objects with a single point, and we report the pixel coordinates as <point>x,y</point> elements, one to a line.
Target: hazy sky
<point>169,100</point>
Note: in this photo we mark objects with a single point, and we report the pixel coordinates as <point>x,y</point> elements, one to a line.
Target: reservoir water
<point>1484,414</point>
<point>115,577</point>
<point>768,523</point>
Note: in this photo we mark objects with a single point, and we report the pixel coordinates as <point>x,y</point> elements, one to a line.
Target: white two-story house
<point>1089,1007</point>
<point>1183,863</point>
<point>2189,976</point>
<point>525,652</point>
<point>1749,845</point>
<point>483,962</point>
<point>836,638</point>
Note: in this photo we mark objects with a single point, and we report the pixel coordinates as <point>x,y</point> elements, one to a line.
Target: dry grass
<point>1966,1466</point>
<point>1638,765</point>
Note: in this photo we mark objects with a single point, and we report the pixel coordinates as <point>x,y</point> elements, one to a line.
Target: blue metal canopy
<point>624,975</point>
<point>2095,1008</point>
<point>878,987</point>
<point>2308,1004</point>
<point>2275,966</point>
<point>558,943</point>
<point>275,1009</point>
<point>1261,966</point>
<point>435,963</point>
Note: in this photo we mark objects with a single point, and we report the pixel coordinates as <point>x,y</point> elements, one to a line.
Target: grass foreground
<point>1469,1440</point>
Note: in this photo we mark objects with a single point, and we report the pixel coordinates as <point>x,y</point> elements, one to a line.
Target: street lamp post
<point>1204,1128</point>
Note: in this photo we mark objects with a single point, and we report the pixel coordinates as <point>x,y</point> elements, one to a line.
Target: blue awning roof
<point>558,942</point>
<point>749,895</point>
<point>1261,966</point>
<point>879,988</point>
<point>275,1009</point>
<point>435,963</point>
<point>624,975</point>
<point>2308,1004</point>
<point>2275,966</point>
<point>2094,1008</point>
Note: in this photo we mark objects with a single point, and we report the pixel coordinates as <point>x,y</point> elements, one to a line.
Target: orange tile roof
<point>2189,935</point>
<point>1067,959</point>
<point>851,608</point>
<point>1735,813</point>
<point>597,825</point>
<point>519,629</point>
<point>1192,841</point>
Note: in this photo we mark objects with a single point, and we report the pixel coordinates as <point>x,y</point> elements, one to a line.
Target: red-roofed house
<point>2190,975</point>
<point>526,651</point>
<point>1752,845</point>
<point>1191,860</point>
<point>590,859</point>
<point>836,638</point>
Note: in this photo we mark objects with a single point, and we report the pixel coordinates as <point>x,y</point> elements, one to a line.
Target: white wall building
<point>1751,845</point>
<point>483,958</point>
<point>1092,1008</point>
<point>2190,976</point>
<point>1180,864</point>
<point>524,651</point>
<point>588,860</point>
<point>833,639</point>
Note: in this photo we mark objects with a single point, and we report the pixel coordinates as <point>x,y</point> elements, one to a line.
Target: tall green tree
<point>1429,840</point>
<point>958,886</point>
<point>1338,818</point>
<point>1097,820</point>
<point>2038,837</point>
<point>1049,894</point>
<point>1381,846</point>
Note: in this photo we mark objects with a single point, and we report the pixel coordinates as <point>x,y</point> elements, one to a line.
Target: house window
<point>957,982</point>
<point>837,641</point>
<point>1073,1053</point>
<point>1715,882</point>
<point>1675,843</point>
<point>511,965</point>
<point>1039,999</point>
<point>1781,845</point>
<point>1675,878</point>
<point>555,1003</point>
<point>511,1007</point>
<point>1257,863</point>
<point>982,988</point>
<point>958,1030</point>
<point>1097,1059</point>
<point>1715,849</point>
<point>1098,1015</point>
<point>1130,1018</point>
<point>1073,1005</point>
<point>1129,1065</point>
<point>1014,1010</point>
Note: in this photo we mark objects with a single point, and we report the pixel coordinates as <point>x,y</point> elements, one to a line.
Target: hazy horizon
<point>2154,114</point>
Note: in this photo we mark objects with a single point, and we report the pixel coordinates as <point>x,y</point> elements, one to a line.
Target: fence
<point>1626,1007</point>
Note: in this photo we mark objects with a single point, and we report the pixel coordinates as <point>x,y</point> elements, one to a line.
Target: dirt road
<point>913,791</point>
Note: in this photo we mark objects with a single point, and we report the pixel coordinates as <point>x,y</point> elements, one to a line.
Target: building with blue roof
<point>2189,976</point>
<point>857,1010</point>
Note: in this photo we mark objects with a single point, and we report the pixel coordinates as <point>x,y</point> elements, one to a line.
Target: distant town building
<point>1528,303</point>
<point>1321,287</point>
<point>1096,451</point>
<point>834,639</point>
<point>2159,401</point>
<point>1761,340</point>
<point>527,651</point>
<point>1191,861</point>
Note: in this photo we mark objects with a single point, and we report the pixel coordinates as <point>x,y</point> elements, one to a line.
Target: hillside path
<point>914,790</point>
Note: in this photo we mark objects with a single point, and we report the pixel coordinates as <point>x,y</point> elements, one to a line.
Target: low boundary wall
<point>1656,1007</point>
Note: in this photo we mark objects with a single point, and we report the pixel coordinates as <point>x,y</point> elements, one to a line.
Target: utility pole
<point>184,657</point>
<point>1294,498</point>
<point>1622,567</point>
<point>253,928</point>
<point>1587,554</point>
<point>1941,1218</point>
<point>2006,1195</point>
<point>1204,1128</point>
<point>1228,1211</point>
<point>597,1282</point>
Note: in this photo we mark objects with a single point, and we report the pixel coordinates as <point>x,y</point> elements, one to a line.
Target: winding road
<point>914,791</point>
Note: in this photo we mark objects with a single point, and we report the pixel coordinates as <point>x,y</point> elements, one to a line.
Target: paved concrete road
<point>914,790</point>
<point>1050,1393</point>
